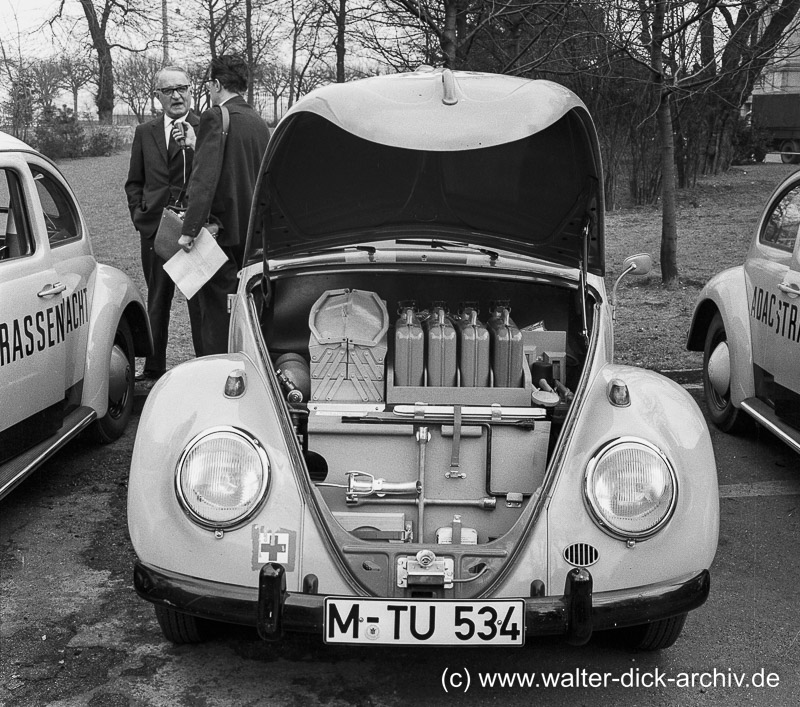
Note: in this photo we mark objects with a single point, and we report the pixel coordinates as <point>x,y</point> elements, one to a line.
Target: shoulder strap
<point>226,124</point>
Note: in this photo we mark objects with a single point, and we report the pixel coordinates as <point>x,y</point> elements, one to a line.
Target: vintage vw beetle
<point>746,322</point>
<point>69,326</point>
<point>419,435</point>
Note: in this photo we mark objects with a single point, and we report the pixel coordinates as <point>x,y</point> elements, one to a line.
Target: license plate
<point>432,622</point>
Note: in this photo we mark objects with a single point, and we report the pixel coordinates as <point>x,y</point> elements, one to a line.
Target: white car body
<point>316,478</point>
<point>747,323</point>
<point>69,326</point>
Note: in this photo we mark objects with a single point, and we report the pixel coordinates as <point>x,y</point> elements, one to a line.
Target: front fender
<point>664,414</point>
<point>726,293</point>
<point>188,400</point>
<point>114,297</point>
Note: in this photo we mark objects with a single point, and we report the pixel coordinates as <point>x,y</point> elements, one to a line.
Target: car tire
<point>120,394</point>
<point>790,146</point>
<point>179,628</point>
<point>654,636</point>
<point>720,408</point>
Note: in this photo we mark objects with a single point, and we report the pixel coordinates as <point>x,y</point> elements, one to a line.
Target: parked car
<point>69,326</point>
<point>419,434</point>
<point>747,324</point>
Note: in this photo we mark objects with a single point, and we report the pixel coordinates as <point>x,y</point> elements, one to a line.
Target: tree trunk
<point>669,211</point>
<point>340,41</point>
<point>669,222</point>
<point>248,42</point>
<point>165,33</point>
<point>449,33</point>
<point>105,69</point>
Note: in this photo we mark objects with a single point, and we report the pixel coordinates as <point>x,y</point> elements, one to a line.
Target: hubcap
<point>119,376</point>
<point>719,369</point>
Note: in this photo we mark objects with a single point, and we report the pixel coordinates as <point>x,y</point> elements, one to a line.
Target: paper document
<point>190,271</point>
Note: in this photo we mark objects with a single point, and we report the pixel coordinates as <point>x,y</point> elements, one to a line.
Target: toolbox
<point>347,346</point>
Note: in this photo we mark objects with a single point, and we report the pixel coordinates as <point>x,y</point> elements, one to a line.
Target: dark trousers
<point>212,300</point>
<point>160,291</point>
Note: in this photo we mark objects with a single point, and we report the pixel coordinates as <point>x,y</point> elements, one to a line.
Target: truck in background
<point>777,117</point>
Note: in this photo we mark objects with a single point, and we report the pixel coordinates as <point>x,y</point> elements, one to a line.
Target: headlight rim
<point>605,525</point>
<point>263,492</point>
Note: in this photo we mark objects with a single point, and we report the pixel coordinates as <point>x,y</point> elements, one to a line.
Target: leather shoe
<point>149,376</point>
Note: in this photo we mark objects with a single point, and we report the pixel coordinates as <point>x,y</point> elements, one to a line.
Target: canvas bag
<point>169,229</point>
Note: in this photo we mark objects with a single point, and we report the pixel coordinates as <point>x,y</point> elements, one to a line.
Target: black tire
<point>179,628</point>
<point>720,408</point>
<point>120,396</point>
<point>654,636</point>
<point>790,146</point>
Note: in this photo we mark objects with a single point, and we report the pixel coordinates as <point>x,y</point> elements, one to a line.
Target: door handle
<point>790,288</point>
<point>51,290</point>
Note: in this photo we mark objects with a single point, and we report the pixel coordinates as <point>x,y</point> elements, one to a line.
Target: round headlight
<point>631,488</point>
<point>222,477</point>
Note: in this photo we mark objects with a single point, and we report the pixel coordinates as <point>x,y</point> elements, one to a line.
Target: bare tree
<point>76,73</point>
<point>108,20</point>
<point>19,105</point>
<point>45,77</point>
<point>274,78</point>
<point>307,19</point>
<point>135,81</point>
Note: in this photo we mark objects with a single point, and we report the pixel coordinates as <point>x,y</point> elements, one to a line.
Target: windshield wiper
<point>444,245</point>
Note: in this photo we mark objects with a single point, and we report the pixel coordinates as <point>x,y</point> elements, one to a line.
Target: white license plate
<point>429,622</point>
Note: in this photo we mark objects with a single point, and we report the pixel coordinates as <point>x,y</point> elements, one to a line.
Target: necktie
<point>172,146</point>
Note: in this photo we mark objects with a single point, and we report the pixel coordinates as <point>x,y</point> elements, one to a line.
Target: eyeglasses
<point>170,90</point>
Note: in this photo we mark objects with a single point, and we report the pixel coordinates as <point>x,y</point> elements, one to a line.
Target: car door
<point>32,349</point>
<point>58,214</point>
<point>773,287</point>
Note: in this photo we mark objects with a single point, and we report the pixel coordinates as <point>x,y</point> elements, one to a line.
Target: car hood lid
<point>490,160</point>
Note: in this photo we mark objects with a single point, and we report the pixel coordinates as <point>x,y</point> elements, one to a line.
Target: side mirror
<point>640,264</point>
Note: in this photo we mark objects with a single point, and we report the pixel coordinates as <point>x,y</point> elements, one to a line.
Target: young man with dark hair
<point>221,189</point>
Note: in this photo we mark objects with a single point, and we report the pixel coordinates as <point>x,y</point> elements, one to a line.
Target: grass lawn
<point>716,222</point>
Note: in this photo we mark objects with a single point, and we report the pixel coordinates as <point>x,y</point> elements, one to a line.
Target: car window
<point>15,233</point>
<point>780,229</point>
<point>59,212</point>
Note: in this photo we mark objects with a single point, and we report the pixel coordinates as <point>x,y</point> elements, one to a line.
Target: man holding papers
<point>221,189</point>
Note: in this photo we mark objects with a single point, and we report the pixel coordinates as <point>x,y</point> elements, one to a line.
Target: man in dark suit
<point>221,189</point>
<point>159,170</point>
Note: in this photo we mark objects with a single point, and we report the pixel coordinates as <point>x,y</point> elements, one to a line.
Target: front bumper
<point>272,610</point>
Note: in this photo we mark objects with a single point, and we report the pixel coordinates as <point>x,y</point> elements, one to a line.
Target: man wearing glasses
<point>161,162</point>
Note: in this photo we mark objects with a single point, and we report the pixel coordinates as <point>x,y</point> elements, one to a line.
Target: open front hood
<point>495,161</point>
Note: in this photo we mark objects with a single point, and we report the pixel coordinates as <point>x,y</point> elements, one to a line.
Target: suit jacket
<point>154,176</point>
<point>226,200</point>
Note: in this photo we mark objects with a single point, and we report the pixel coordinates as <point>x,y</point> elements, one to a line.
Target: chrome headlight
<point>222,477</point>
<point>631,488</point>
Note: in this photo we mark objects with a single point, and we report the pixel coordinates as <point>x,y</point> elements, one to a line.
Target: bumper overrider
<point>273,610</point>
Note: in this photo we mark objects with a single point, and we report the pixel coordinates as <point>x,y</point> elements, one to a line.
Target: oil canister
<point>409,349</point>
<point>506,347</point>
<point>440,336</point>
<point>473,348</point>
